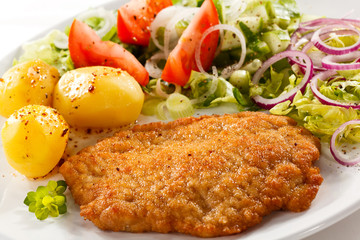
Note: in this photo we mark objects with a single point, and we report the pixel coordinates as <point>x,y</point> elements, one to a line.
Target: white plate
<point>338,196</point>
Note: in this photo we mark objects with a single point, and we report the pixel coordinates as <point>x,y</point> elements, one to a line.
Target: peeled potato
<point>98,97</point>
<point>34,139</point>
<point>27,83</point>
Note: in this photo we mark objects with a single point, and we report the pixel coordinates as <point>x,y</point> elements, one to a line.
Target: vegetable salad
<point>250,54</point>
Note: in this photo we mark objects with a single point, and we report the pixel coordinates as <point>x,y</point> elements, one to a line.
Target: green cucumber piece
<point>277,40</point>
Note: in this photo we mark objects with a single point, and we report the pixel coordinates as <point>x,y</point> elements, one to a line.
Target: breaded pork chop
<point>207,176</point>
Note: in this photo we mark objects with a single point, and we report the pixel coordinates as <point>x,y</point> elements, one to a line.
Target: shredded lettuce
<point>351,134</point>
<point>95,23</point>
<point>46,50</point>
<point>341,90</point>
<point>344,88</point>
<point>284,13</point>
<point>207,91</point>
<point>340,41</point>
<point>322,120</point>
<point>274,83</point>
<point>187,3</point>
<point>350,74</point>
<point>255,18</point>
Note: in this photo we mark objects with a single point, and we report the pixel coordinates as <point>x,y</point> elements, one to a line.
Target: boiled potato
<point>34,139</point>
<point>98,97</point>
<point>27,83</point>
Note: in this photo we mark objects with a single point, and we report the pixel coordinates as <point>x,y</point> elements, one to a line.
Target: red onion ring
<point>296,42</point>
<point>315,56</point>
<point>320,22</point>
<point>269,103</point>
<point>336,61</point>
<point>323,99</point>
<point>347,58</point>
<point>316,23</point>
<point>316,61</point>
<point>335,152</point>
<point>294,38</point>
<point>318,42</point>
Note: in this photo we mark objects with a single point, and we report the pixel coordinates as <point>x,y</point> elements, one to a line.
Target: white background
<point>20,20</point>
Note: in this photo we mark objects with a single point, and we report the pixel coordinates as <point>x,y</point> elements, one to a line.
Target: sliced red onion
<point>307,29</point>
<point>302,42</point>
<point>297,42</point>
<point>335,152</point>
<point>316,57</point>
<point>341,62</point>
<point>349,13</point>
<point>327,35</point>
<point>269,103</point>
<point>323,99</point>
<point>229,70</point>
<point>354,22</point>
<point>294,38</point>
<point>319,43</point>
<point>320,22</point>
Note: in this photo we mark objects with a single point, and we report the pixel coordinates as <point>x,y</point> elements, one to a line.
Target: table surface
<point>20,20</point>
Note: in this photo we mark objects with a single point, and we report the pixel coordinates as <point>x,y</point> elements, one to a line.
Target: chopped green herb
<point>47,200</point>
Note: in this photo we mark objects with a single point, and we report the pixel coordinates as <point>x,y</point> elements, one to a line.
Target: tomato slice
<point>87,49</point>
<point>181,60</point>
<point>135,17</point>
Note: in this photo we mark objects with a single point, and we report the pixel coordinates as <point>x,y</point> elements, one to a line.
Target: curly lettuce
<point>322,120</point>
<point>46,50</point>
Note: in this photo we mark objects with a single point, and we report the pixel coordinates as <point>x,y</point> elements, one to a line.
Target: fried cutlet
<point>207,176</point>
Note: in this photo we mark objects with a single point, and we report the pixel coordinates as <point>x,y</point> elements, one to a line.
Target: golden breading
<point>207,176</point>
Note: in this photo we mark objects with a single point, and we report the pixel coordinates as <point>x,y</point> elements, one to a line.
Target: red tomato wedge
<point>181,60</point>
<point>135,17</point>
<point>87,49</point>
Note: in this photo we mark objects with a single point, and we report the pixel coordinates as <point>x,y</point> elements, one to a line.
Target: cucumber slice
<point>277,40</point>
<point>253,66</point>
<point>231,41</point>
<point>261,47</point>
<point>257,11</point>
<point>254,23</point>
<point>241,80</point>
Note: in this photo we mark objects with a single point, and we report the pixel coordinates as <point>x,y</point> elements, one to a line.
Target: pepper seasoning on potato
<point>98,97</point>
<point>34,139</point>
<point>27,83</point>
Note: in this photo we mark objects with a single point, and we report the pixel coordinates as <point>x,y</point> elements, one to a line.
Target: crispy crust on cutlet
<point>207,176</point>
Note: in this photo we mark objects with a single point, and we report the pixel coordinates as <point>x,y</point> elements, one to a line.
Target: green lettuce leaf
<point>46,50</point>
<point>322,120</point>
